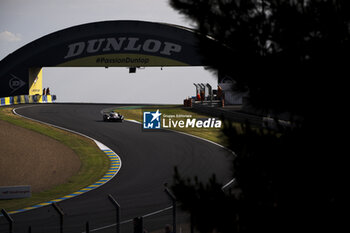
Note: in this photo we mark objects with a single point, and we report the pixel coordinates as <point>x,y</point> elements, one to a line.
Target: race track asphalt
<point>148,160</point>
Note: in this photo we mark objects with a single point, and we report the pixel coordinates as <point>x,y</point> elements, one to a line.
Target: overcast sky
<point>22,21</point>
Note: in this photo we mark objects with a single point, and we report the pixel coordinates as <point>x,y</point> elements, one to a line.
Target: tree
<point>282,185</point>
<point>287,53</point>
<point>291,56</point>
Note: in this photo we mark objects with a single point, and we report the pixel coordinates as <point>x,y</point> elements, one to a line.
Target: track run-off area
<point>148,160</point>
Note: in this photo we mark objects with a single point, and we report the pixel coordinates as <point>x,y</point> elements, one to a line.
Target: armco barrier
<point>27,99</point>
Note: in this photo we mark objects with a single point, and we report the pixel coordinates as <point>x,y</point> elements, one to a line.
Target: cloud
<point>10,37</point>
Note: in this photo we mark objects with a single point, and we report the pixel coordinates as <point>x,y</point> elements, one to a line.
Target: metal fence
<point>55,220</point>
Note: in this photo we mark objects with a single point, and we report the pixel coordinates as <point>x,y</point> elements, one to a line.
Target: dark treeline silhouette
<point>290,56</point>
<point>285,52</point>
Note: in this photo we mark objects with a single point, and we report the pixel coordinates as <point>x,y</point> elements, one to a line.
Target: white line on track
<point>190,135</point>
<point>100,145</point>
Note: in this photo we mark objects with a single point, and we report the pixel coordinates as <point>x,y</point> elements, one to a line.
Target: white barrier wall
<point>12,192</point>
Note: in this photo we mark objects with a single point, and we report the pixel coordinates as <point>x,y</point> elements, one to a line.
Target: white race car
<point>113,116</point>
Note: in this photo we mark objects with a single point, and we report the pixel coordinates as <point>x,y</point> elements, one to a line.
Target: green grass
<point>94,163</point>
<point>212,134</point>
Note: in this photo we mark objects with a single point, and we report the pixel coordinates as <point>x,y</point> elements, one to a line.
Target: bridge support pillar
<point>35,81</point>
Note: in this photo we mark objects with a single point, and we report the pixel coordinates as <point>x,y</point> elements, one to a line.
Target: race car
<point>113,116</point>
